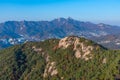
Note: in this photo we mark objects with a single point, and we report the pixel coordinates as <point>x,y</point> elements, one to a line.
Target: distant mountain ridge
<point>14,32</point>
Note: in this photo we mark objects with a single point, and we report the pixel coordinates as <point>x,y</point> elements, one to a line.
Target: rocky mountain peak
<point>80,48</point>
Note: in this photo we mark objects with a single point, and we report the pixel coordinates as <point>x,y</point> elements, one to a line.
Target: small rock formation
<point>38,50</point>
<point>50,68</point>
<point>81,51</point>
<point>62,78</point>
<point>65,42</point>
<point>104,61</point>
<point>78,54</point>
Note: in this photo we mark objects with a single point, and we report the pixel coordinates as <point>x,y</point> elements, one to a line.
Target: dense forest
<point>71,58</point>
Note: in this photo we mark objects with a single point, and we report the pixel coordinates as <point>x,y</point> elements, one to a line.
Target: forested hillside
<point>70,58</point>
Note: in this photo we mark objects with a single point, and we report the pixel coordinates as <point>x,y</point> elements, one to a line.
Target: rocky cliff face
<point>80,48</point>
<point>50,68</point>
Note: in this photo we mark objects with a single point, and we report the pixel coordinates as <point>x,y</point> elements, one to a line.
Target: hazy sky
<point>107,11</point>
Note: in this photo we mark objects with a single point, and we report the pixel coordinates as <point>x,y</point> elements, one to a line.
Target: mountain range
<point>15,32</point>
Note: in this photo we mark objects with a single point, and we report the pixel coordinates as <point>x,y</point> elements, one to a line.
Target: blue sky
<point>105,11</point>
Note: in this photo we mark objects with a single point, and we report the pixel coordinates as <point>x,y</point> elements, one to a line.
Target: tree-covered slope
<point>70,58</point>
